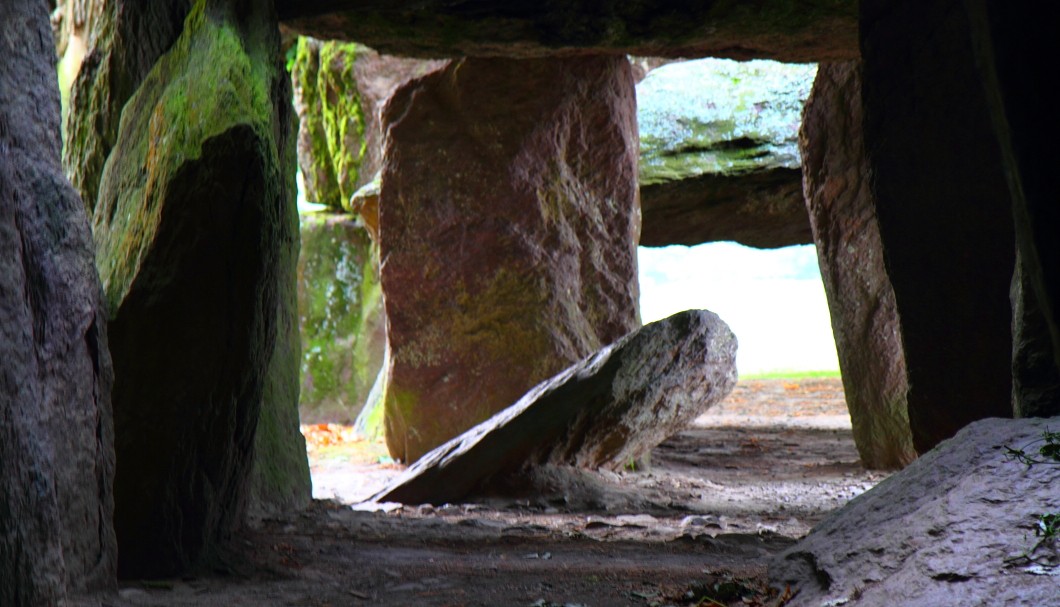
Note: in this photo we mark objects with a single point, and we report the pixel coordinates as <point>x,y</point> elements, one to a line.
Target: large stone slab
<point>719,154</point>
<point>865,319</point>
<point>815,30</point>
<point>508,220</point>
<point>341,306</point>
<point>938,533</point>
<point>194,229</point>
<point>340,89</point>
<point>56,433</point>
<point>605,411</point>
<point>944,211</point>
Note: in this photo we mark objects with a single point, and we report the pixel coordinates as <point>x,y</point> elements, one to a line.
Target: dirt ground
<point>753,474</point>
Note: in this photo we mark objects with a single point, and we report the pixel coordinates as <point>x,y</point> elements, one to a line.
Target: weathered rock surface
<point>719,156</point>
<point>124,42</point>
<point>56,434</point>
<point>509,221</point>
<point>279,478</point>
<point>193,229</point>
<point>937,533</point>
<point>1035,376</point>
<point>341,304</point>
<point>340,88</point>
<point>604,411</point>
<point>818,30</point>
<point>945,217</point>
<point>860,299</point>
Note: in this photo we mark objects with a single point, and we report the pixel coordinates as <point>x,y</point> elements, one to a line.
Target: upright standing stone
<point>194,230</point>
<point>944,211</point>
<point>860,299</point>
<point>508,226</point>
<point>123,43</point>
<point>339,91</point>
<point>56,437</point>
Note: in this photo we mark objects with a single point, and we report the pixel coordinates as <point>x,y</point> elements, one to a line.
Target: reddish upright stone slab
<point>509,219</point>
<point>842,213</point>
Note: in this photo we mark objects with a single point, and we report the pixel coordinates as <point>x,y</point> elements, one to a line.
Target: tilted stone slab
<point>604,411</point>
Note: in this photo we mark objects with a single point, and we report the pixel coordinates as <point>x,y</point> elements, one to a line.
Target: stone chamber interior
<point>483,175</point>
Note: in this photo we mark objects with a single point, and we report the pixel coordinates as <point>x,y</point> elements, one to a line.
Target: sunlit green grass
<point>781,374</point>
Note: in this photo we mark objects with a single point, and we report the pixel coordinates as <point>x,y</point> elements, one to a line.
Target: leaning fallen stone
<point>604,411</point>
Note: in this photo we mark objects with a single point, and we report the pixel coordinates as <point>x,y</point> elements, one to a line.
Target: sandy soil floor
<point>753,474</point>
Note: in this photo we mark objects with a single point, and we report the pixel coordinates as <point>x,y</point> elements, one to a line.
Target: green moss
<point>341,316</point>
<point>333,120</point>
<point>342,114</point>
<point>208,83</point>
<point>720,117</point>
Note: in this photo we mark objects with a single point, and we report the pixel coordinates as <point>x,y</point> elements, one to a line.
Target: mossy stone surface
<point>719,157</point>
<point>124,40</point>
<point>715,116</point>
<point>193,225</point>
<point>341,305</point>
<point>332,137</point>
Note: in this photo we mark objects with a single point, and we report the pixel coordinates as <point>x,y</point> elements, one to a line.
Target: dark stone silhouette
<point>815,30</point>
<point>944,212</point>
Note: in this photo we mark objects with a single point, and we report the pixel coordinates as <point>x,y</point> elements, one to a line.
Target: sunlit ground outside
<point>773,300</point>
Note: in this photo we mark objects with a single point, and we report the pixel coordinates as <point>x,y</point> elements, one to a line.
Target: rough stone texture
<point>124,42</point>
<point>1013,43</point>
<point>56,435</point>
<point>816,30</point>
<point>1035,377</point>
<point>860,299</point>
<point>340,89</point>
<point>508,220</point>
<point>604,411</point>
<point>192,228</point>
<point>280,480</point>
<point>719,156</point>
<point>937,533</point>
<point>944,212</point>
<point>343,329</point>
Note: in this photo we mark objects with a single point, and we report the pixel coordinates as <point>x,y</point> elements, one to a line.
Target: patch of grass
<point>781,374</point>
